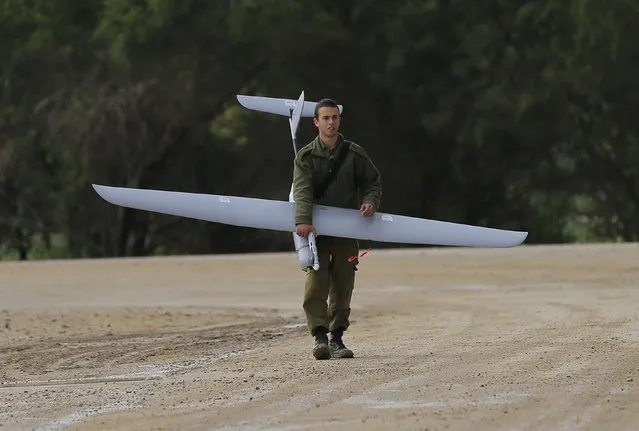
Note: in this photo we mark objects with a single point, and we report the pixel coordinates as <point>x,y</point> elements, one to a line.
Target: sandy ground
<point>506,339</point>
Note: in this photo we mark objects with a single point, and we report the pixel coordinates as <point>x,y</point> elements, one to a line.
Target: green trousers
<point>333,282</point>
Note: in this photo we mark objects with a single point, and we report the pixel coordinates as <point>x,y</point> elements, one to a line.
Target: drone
<point>279,215</point>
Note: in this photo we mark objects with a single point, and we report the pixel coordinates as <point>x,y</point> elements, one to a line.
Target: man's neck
<point>330,142</point>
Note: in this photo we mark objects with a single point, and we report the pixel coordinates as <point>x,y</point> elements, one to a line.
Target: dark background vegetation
<point>514,114</point>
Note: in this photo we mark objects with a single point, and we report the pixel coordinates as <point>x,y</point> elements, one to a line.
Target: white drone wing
<point>278,106</point>
<point>296,115</point>
<point>330,221</point>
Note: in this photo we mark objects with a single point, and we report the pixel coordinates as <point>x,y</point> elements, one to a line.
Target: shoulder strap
<point>332,170</point>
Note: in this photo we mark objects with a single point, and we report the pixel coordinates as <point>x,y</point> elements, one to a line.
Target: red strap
<point>352,258</point>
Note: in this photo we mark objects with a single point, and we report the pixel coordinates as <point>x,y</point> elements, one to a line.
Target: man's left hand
<point>367,210</point>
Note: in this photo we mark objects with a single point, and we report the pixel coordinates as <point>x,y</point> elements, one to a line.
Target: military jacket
<point>357,181</point>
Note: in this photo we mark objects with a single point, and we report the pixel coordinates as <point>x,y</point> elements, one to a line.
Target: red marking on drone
<point>352,258</point>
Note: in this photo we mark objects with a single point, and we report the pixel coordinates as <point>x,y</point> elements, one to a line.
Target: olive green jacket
<point>357,181</point>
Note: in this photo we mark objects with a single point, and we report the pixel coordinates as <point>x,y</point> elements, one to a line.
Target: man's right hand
<point>304,229</point>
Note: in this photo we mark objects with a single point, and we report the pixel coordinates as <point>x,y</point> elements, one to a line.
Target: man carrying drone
<point>337,175</point>
<point>335,172</point>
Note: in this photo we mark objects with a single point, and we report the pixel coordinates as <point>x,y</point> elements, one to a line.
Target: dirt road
<point>517,339</point>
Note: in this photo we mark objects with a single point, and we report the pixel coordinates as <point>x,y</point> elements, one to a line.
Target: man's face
<point>327,121</point>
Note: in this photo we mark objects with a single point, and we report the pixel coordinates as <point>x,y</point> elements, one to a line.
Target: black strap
<point>332,170</point>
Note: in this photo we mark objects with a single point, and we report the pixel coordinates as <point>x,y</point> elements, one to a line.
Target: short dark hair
<point>325,103</point>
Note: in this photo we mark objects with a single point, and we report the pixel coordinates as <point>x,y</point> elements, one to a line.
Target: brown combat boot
<point>321,350</point>
<point>337,347</point>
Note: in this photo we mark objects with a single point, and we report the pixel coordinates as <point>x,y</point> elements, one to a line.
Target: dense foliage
<point>502,113</point>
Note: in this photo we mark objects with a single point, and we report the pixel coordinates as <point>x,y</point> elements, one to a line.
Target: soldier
<point>354,183</point>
